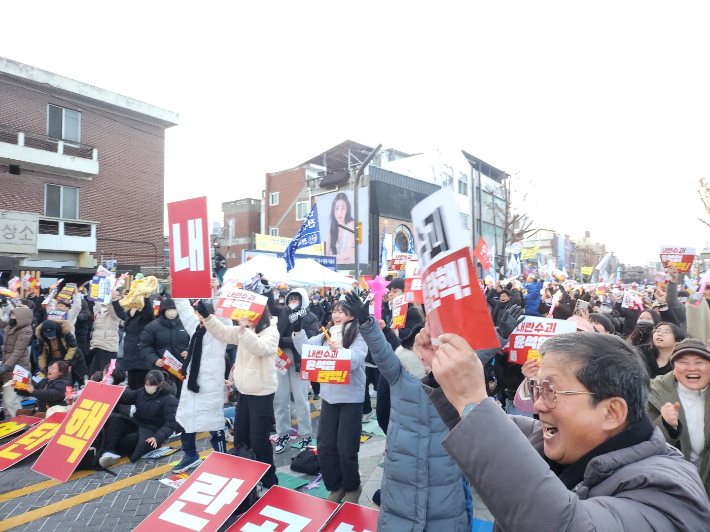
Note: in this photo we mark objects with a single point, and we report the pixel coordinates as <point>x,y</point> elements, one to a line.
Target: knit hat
<point>690,346</point>
<point>408,342</point>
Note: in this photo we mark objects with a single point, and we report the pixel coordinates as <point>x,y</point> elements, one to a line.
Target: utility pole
<point>356,175</point>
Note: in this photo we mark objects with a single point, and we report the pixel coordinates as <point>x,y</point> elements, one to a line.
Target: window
<point>61,202</point>
<point>478,226</point>
<point>302,210</point>
<point>64,124</point>
<point>464,220</point>
<point>273,231</point>
<point>463,184</point>
<point>478,194</point>
<point>274,198</point>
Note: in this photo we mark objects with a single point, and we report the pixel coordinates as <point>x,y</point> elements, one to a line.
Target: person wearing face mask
<point>105,340</point>
<point>151,425</point>
<point>166,333</point>
<point>317,308</point>
<point>58,343</point>
<point>679,404</point>
<point>134,323</point>
<point>431,500</point>
<point>17,336</point>
<point>50,391</point>
<point>296,310</point>
<point>341,411</point>
<point>642,334</point>
<point>657,353</point>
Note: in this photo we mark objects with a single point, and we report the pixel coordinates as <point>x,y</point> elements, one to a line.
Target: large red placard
<point>284,509</point>
<point>31,441</point>
<point>190,264</point>
<point>16,424</point>
<point>208,497</point>
<point>78,431</point>
<point>353,518</point>
<point>320,364</point>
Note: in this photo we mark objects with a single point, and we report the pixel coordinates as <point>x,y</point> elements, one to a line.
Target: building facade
<point>242,220</point>
<point>81,171</point>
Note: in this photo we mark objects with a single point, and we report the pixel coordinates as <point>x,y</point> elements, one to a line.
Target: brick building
<point>242,219</point>
<point>81,174</point>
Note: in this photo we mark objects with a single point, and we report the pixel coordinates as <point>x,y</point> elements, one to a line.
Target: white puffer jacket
<point>105,328</point>
<point>255,370</point>
<point>202,411</point>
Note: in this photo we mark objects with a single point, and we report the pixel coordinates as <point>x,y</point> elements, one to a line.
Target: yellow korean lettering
<point>38,436</point>
<point>9,427</point>
<point>73,443</point>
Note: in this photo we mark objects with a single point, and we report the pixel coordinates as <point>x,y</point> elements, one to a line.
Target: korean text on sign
<point>283,362</point>
<point>173,365</point>
<point>287,510</point>
<point>31,441</point>
<point>208,497</point>
<point>78,431</point>
<point>680,257</point>
<point>449,282</point>
<point>399,312</point>
<point>532,333</point>
<point>352,517</point>
<point>235,304</point>
<point>189,248</point>
<point>413,283</point>
<point>320,364</point>
<point>16,424</point>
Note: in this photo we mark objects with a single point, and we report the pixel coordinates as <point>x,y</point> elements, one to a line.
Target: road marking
<point>4,497</point>
<point>30,516</point>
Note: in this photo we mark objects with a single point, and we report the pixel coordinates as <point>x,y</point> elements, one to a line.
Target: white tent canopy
<point>306,273</point>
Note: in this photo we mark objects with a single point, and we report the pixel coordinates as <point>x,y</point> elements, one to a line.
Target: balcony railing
<point>43,153</point>
<point>57,234</point>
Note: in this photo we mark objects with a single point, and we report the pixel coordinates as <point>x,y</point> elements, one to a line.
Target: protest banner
<point>28,283</point>
<point>172,365</point>
<point>111,265</point>
<point>21,376</point>
<point>530,334</point>
<point>320,364</point>
<point>100,289</point>
<point>16,424</point>
<point>191,273</point>
<point>287,510</point>
<point>8,293</point>
<point>176,480</point>
<point>529,253</point>
<point>103,272</point>
<point>52,292</point>
<point>449,281</point>
<point>78,431</point>
<point>587,270</point>
<point>483,254</point>
<point>56,315</point>
<point>680,257</point>
<point>283,362</point>
<point>353,517</point>
<point>399,312</point>
<point>14,284</point>
<point>235,304</point>
<point>66,294</point>
<point>31,441</point>
<point>400,260</point>
<point>156,307</point>
<point>413,283</point>
<point>208,497</point>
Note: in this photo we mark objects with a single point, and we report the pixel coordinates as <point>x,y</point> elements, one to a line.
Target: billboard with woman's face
<point>338,208</point>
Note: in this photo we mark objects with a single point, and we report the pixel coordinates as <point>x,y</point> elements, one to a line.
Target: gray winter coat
<point>422,487</point>
<point>645,488</point>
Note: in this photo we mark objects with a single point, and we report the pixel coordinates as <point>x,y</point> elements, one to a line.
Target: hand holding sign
<point>459,372</point>
<point>426,349</point>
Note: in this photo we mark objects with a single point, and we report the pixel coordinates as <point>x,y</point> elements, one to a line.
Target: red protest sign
<point>452,295</point>
<point>31,441</point>
<point>413,283</point>
<point>320,364</point>
<point>400,260</point>
<point>190,264</point>
<point>156,307</point>
<point>399,312</point>
<point>16,424</point>
<point>173,365</point>
<point>680,257</point>
<point>78,431</point>
<point>283,362</point>
<point>235,304</point>
<point>483,254</point>
<point>208,497</point>
<point>353,518</point>
<point>284,509</point>
<point>532,333</point>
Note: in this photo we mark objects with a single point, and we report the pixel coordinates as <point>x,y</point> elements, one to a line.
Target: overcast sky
<point>604,108</point>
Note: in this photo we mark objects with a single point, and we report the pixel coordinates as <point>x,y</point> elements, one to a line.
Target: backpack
<point>306,462</point>
<point>242,451</point>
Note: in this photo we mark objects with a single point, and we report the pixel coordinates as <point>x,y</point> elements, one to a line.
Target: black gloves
<point>298,325</point>
<point>360,309</point>
<point>202,309</point>
<point>512,317</point>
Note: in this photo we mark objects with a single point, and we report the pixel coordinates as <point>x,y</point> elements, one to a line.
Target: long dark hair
<point>264,321</point>
<point>334,223</point>
<point>350,329</point>
<point>639,338</point>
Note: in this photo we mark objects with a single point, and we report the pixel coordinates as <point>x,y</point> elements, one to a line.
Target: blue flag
<point>383,256</point>
<point>308,235</point>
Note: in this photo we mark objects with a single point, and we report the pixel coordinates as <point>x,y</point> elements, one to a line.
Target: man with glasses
<point>593,461</point>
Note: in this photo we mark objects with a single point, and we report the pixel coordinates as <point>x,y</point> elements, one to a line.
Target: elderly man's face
<point>572,427</point>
